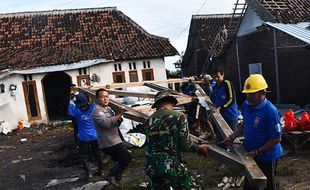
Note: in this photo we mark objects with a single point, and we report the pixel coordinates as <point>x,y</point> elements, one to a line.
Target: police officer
<point>261,129</point>
<point>110,142</point>
<point>167,138</point>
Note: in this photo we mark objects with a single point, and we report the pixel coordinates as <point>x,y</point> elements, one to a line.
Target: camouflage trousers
<point>166,174</point>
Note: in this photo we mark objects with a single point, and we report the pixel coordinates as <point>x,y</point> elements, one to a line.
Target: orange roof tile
<point>32,39</point>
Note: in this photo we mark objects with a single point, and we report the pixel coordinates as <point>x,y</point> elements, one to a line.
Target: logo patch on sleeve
<point>278,127</point>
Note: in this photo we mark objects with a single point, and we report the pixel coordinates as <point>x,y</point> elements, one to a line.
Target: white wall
<point>104,71</point>
<point>14,106</point>
<point>17,102</point>
<point>249,23</point>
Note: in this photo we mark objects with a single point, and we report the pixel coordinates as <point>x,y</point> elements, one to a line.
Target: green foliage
<point>173,74</point>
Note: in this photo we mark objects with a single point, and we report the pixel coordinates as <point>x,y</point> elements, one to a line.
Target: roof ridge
<point>55,11</point>
<point>212,15</point>
<point>140,27</point>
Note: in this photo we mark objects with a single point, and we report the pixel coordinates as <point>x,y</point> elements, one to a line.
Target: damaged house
<point>268,37</point>
<point>43,53</point>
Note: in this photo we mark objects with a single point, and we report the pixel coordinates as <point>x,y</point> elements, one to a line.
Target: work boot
<point>113,181</point>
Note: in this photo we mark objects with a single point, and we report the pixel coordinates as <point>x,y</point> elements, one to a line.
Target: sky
<point>166,18</point>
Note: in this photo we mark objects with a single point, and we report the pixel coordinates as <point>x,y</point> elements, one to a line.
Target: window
<point>119,67</point>
<point>255,68</point>
<point>133,76</point>
<point>134,65</point>
<point>2,88</point>
<point>147,74</point>
<point>119,77</point>
<point>148,64</point>
<point>130,66</point>
<point>83,80</point>
<point>82,71</point>
<point>144,65</point>
<point>115,67</point>
<point>31,100</point>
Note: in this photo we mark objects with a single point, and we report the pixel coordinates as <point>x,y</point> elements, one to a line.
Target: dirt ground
<point>50,153</point>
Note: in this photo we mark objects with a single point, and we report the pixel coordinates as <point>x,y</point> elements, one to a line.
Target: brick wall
<point>294,65</point>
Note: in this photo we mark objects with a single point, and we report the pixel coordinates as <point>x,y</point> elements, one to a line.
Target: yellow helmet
<point>254,83</point>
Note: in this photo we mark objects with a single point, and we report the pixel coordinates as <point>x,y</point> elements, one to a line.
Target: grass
<point>209,170</point>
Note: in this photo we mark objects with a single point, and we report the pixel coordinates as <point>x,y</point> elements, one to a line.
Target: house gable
<point>203,31</point>
<point>249,23</point>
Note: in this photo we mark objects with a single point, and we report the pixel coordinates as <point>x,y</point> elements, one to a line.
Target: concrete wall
<point>104,71</point>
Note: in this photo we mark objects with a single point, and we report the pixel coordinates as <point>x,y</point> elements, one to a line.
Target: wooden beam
<point>184,100</point>
<point>134,94</point>
<point>220,154</point>
<point>144,108</point>
<point>116,105</point>
<point>135,84</point>
<point>160,88</point>
<point>134,117</point>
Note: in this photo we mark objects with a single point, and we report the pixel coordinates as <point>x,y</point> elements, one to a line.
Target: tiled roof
<point>32,39</point>
<point>208,26</point>
<point>282,11</point>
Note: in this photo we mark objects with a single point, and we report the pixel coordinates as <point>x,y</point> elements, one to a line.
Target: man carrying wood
<point>261,129</point>
<point>110,142</point>
<point>81,110</point>
<point>167,137</point>
<point>224,99</point>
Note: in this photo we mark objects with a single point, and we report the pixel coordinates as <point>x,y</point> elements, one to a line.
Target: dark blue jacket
<point>224,96</point>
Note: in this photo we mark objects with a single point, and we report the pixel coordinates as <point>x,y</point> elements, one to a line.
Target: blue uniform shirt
<point>224,96</point>
<point>86,128</point>
<point>260,125</point>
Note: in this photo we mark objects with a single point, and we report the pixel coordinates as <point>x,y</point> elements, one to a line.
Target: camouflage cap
<point>164,95</point>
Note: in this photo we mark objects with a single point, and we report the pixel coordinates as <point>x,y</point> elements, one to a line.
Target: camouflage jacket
<point>167,135</point>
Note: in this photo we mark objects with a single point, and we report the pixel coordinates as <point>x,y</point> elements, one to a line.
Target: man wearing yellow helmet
<point>261,129</point>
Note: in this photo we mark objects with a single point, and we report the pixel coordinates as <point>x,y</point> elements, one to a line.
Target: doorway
<point>56,89</point>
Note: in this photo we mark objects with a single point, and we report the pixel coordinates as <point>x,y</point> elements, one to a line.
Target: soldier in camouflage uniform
<point>167,137</point>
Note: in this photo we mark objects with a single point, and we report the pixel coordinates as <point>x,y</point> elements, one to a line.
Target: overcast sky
<point>166,18</point>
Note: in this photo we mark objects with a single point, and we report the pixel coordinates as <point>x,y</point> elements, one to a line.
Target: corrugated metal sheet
<point>299,31</point>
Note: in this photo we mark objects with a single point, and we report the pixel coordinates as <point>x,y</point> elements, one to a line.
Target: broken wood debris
<point>231,182</point>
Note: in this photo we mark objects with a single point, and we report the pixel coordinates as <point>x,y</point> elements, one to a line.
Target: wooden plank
<point>160,88</point>
<point>134,94</point>
<point>184,100</point>
<point>135,84</point>
<point>144,108</point>
<point>115,105</point>
<point>220,154</point>
<point>134,117</point>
